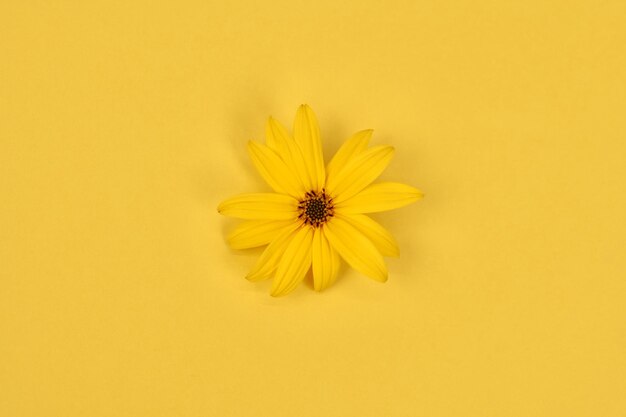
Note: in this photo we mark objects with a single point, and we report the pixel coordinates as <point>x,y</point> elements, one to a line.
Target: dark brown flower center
<point>316,208</point>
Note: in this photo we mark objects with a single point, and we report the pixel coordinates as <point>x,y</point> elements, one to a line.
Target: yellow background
<point>123,124</point>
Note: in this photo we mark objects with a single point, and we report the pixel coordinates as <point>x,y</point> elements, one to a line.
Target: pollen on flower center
<point>316,208</point>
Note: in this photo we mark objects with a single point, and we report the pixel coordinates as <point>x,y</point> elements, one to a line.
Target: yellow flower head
<point>316,214</point>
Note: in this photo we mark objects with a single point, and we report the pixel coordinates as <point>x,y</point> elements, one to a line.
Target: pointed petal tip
<point>253,277</point>
<point>365,134</point>
<point>273,124</point>
<point>382,278</point>
<point>386,150</point>
<point>306,109</point>
<point>417,194</point>
<point>279,293</point>
<point>318,289</point>
<point>276,294</point>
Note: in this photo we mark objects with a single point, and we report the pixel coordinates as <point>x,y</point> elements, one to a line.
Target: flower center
<point>316,208</point>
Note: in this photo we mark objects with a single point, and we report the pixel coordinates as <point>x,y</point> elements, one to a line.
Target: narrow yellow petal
<point>359,172</point>
<point>268,206</point>
<point>325,261</point>
<point>380,237</point>
<point>356,249</point>
<point>276,136</point>
<point>273,169</point>
<point>254,233</point>
<point>306,133</point>
<point>350,148</point>
<point>380,197</point>
<point>294,263</point>
<point>280,141</point>
<point>268,261</point>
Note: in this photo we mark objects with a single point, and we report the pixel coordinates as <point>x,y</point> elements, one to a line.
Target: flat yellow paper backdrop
<point>124,123</point>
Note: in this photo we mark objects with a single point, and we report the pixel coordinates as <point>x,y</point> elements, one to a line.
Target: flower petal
<point>359,172</point>
<point>294,263</point>
<point>380,197</point>
<point>306,133</point>
<point>325,261</point>
<point>269,259</point>
<point>268,206</point>
<point>276,136</point>
<point>350,148</point>
<point>356,249</point>
<point>254,233</point>
<point>380,237</point>
<point>280,141</point>
<point>273,170</point>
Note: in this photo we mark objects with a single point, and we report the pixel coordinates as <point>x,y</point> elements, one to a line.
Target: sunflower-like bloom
<point>316,214</point>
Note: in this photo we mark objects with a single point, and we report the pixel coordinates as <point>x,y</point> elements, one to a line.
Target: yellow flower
<point>316,214</point>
